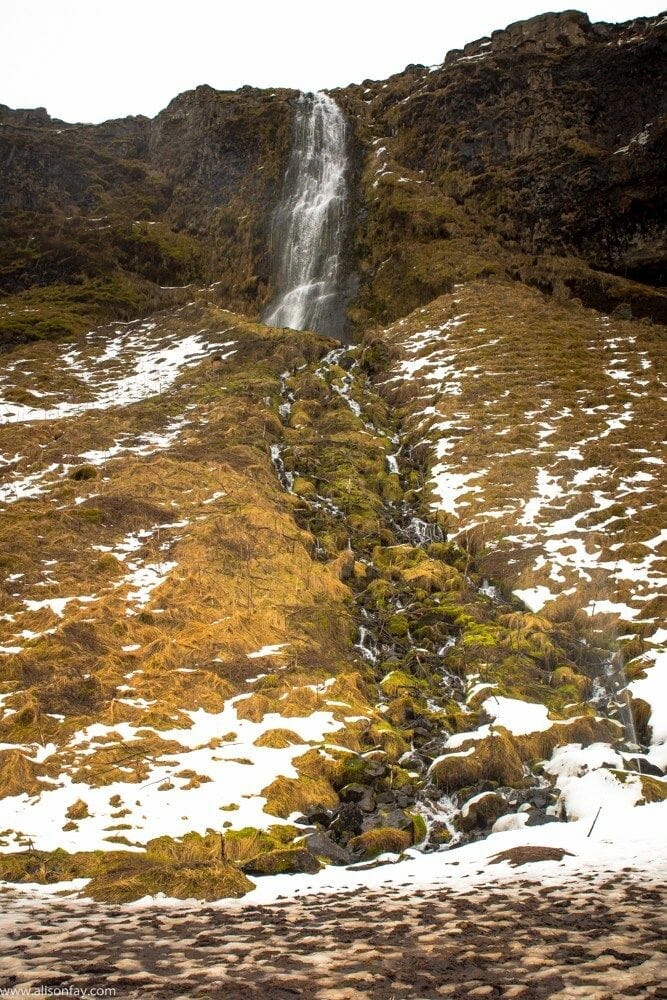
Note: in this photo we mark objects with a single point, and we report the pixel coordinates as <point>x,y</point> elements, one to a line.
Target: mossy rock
<point>289,861</point>
<point>398,626</point>
<point>482,811</point>
<point>653,789</point>
<point>398,682</point>
<point>480,637</point>
<point>419,828</point>
<point>392,740</point>
<point>303,487</point>
<point>382,840</point>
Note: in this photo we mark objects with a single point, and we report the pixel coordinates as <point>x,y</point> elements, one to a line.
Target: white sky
<point>88,60</point>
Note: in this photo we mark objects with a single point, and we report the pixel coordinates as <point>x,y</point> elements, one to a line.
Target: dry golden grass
<point>500,757</point>
<point>382,840</point>
<point>286,796</point>
<point>243,566</point>
<point>278,739</point>
<point>517,364</point>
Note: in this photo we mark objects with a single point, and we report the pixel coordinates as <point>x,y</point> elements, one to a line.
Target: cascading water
<point>308,231</point>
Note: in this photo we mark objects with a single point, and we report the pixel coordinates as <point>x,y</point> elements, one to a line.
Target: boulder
<point>291,860</point>
<point>482,811</point>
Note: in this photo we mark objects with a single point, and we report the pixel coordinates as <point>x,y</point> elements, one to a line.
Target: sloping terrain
<point>230,613</point>
<point>542,426</point>
<point>269,603</point>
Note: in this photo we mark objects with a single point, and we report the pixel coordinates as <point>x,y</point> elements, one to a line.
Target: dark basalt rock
<point>359,794</point>
<point>322,846</point>
<point>347,823</point>
<point>548,137</point>
<point>539,818</point>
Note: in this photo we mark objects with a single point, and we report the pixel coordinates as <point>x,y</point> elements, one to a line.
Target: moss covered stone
<point>382,840</point>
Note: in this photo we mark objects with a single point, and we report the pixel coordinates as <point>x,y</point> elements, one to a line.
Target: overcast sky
<point>86,60</point>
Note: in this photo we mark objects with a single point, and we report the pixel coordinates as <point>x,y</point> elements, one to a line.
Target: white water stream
<point>308,226</point>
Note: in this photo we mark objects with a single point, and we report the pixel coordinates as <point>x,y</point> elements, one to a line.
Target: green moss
<point>398,682</point>
<point>398,625</point>
<point>419,828</point>
<point>303,487</point>
<point>480,637</point>
<point>292,860</point>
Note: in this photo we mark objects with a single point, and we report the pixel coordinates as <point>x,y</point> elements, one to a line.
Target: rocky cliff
<point>97,219</point>
<point>534,154</point>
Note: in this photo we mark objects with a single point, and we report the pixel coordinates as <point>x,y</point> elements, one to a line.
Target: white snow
<point>653,689</point>
<point>274,650</point>
<point>153,811</point>
<point>520,717</point>
<point>155,369</point>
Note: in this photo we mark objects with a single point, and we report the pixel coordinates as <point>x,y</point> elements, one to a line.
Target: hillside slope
<point>230,614</point>
<point>269,602</point>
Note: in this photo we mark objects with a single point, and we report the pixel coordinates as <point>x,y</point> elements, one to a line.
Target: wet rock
<point>397,819</point>
<point>299,861</point>
<point>413,762</point>
<point>438,834</point>
<point>347,823</point>
<point>644,766</point>
<point>320,817</point>
<point>381,840</point>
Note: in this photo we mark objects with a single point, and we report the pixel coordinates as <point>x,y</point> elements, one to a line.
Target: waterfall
<point>309,224</point>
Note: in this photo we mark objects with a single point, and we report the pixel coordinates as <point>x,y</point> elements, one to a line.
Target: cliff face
<point>535,153</point>
<point>95,218</point>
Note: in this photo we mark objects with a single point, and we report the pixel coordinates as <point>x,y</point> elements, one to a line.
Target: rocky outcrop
<point>106,215</point>
<point>534,153</point>
<point>541,143</point>
<point>543,33</point>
